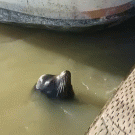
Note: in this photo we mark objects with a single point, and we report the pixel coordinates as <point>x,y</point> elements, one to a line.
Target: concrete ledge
<point>118,115</point>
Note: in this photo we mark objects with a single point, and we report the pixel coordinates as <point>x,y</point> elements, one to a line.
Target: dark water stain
<point>111,50</point>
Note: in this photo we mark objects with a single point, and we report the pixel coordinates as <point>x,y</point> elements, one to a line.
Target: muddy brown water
<point>98,62</point>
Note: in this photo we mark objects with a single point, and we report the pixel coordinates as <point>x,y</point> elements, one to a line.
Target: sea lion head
<point>56,86</point>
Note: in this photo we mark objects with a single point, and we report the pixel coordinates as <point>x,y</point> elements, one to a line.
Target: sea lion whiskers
<point>56,86</point>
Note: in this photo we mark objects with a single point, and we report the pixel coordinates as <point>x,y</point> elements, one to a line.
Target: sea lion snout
<point>56,86</point>
<point>65,75</point>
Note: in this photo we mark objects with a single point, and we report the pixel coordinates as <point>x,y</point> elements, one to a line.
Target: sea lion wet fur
<point>56,86</point>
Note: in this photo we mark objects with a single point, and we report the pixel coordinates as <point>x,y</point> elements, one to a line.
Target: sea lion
<point>56,86</point>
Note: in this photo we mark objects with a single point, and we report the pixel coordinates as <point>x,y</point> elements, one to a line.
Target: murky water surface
<point>98,63</point>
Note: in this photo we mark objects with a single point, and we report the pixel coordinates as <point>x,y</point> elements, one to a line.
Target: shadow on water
<point>35,94</point>
<point>111,50</point>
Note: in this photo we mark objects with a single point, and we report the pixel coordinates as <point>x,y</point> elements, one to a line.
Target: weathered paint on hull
<point>66,14</point>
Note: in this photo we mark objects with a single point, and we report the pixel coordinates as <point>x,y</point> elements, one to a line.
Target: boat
<point>65,15</point>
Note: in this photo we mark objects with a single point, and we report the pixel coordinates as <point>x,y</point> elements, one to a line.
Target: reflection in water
<point>98,62</point>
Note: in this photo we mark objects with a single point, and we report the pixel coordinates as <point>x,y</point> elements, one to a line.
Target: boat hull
<point>74,17</point>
